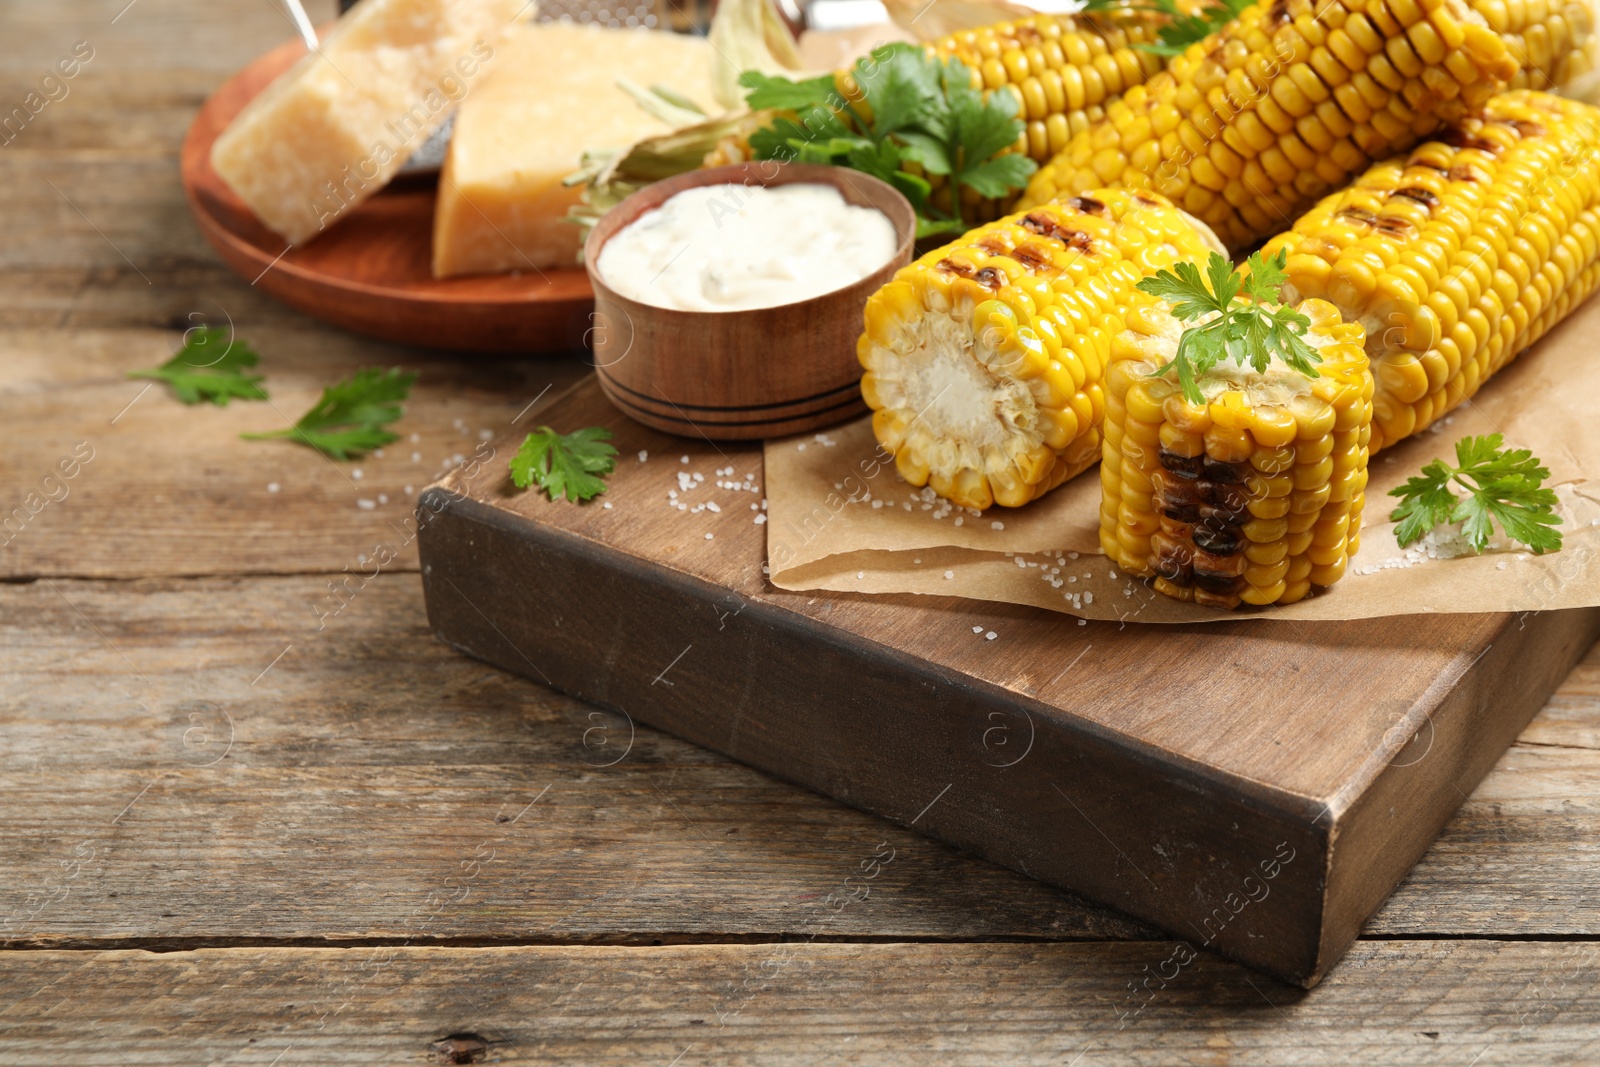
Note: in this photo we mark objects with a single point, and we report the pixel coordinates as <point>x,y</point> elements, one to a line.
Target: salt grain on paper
<point>997,526</point>
<point>708,537</point>
<point>949,574</point>
<point>990,636</point>
<point>606,504</point>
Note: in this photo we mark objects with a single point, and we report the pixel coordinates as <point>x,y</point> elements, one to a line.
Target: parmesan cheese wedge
<point>335,127</point>
<point>551,95</point>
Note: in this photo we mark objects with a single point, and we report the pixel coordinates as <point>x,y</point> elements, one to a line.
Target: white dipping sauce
<point>735,247</point>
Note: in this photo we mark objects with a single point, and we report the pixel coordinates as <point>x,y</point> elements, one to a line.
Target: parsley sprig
<point>565,465</point>
<point>1501,484</point>
<point>350,419</point>
<point>1251,331</point>
<point>1181,29</point>
<point>922,110</point>
<point>211,365</point>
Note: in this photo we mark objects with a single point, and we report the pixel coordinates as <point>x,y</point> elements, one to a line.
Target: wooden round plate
<point>371,272</point>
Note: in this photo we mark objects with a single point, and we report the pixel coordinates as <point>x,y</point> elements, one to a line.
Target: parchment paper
<point>840,518</point>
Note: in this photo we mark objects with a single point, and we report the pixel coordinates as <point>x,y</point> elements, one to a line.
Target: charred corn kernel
<point>1460,255</point>
<point>1250,517</point>
<point>984,359</point>
<point>1258,87</point>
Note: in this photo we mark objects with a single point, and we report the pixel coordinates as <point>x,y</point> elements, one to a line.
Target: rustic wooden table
<point>232,834</point>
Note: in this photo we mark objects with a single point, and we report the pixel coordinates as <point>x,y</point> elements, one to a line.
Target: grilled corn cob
<point>1061,69</point>
<point>1461,255</point>
<point>1552,42</point>
<point>1283,105</point>
<point>1254,496</point>
<point>983,359</point>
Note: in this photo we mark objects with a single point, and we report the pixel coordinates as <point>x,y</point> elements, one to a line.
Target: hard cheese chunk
<point>551,95</point>
<point>334,128</point>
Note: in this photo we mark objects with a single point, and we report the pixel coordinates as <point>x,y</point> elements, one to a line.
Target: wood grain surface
<point>366,760</point>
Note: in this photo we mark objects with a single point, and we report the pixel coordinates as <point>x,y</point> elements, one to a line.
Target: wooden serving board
<point>371,272</point>
<point>1257,788</point>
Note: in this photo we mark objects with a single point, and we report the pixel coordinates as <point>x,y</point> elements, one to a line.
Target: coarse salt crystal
<point>760,519</point>
<point>366,505</point>
<point>416,457</point>
<point>1113,576</point>
<point>1083,622</point>
<point>949,574</point>
<point>409,490</point>
<point>383,498</point>
<point>711,506</point>
<point>1088,598</point>
<point>959,520</point>
<point>977,629</point>
<point>1072,555</point>
<point>997,526</point>
<point>356,474</point>
<point>860,575</point>
<point>990,636</point>
<point>272,487</point>
<point>606,504</point>
<point>644,454</point>
<point>415,438</point>
<point>708,537</point>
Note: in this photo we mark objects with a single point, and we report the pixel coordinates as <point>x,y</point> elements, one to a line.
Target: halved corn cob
<point>1284,104</point>
<point>984,358</point>
<point>1461,255</point>
<point>1254,496</point>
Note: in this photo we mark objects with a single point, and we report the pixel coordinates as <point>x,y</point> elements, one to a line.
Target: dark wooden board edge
<point>1448,743</point>
<point>1165,838</point>
<point>1086,810</point>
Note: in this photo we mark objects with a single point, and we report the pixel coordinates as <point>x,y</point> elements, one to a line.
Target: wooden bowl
<point>739,375</point>
<point>372,272</point>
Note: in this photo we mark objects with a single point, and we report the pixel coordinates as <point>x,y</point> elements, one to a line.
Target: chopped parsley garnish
<point>350,419</point>
<point>924,111</point>
<point>565,465</point>
<point>210,366</point>
<point>1501,484</point>
<point>1246,331</point>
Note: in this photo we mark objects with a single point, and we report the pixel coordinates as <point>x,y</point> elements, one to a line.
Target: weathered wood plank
<point>1435,1003</point>
<point>173,490</point>
<point>369,755</point>
<point>368,763</point>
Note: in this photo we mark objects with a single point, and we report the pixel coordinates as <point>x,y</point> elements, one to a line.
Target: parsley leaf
<point>785,95</point>
<point>209,366</point>
<point>350,418</point>
<point>1251,333</point>
<point>1504,485</point>
<point>565,465</point>
<point>924,114</point>
<point>1181,29</point>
